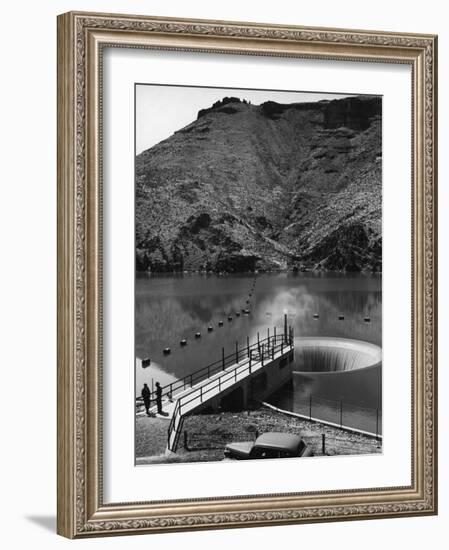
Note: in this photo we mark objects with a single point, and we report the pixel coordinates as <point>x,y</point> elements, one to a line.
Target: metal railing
<point>338,413</point>
<point>254,358</point>
<point>190,380</point>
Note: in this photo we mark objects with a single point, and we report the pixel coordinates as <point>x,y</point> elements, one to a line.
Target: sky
<point>161,110</point>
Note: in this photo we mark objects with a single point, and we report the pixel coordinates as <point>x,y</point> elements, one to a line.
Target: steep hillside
<point>271,186</point>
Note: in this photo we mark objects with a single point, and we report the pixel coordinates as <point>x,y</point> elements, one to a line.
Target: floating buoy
<point>315,315</point>
<point>210,329</point>
<point>146,362</point>
<point>166,351</point>
<point>367,319</point>
<point>246,312</point>
<point>183,342</point>
<point>229,318</point>
<point>198,335</point>
<point>220,323</point>
<point>341,317</point>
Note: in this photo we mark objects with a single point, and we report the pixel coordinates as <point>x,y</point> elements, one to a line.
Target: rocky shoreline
<point>252,273</point>
<point>208,434</point>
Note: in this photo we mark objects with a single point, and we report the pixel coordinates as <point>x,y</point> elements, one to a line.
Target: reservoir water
<point>171,308</point>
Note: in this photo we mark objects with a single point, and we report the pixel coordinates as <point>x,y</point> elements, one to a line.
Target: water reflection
<point>171,308</point>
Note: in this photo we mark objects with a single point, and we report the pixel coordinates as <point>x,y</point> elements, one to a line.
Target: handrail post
<point>272,353</point>
<point>250,360</point>
<point>222,358</point>
<point>201,394</point>
<point>268,336</point>
<point>310,407</point>
<point>247,344</point>
<point>236,351</point>
<point>275,335</point>
<point>263,345</point>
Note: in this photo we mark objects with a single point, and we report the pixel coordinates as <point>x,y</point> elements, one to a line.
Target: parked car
<point>268,445</point>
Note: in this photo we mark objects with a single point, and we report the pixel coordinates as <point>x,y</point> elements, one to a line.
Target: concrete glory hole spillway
<point>320,355</point>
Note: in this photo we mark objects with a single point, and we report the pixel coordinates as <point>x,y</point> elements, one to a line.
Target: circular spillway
<point>321,355</point>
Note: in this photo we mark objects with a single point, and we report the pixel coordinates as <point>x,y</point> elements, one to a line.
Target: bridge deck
<point>189,400</point>
<point>168,406</point>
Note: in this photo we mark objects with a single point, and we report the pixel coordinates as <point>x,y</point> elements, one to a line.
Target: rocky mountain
<point>267,187</point>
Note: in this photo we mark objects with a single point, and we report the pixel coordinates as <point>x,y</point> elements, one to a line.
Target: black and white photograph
<point>258,274</point>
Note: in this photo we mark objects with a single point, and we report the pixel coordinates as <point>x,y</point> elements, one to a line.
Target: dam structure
<point>251,374</point>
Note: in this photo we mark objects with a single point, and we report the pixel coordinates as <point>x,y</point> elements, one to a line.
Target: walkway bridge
<point>250,374</point>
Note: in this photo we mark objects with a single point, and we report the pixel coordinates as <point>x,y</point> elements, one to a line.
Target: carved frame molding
<point>81,38</point>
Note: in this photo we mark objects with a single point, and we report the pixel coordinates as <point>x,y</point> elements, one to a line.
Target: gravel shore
<point>207,435</point>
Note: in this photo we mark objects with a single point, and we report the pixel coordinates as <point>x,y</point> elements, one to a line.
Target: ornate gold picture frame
<point>82,39</point>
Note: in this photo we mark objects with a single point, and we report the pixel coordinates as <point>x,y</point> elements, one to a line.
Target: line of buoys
<point>146,362</point>
<point>340,317</point>
<point>167,351</point>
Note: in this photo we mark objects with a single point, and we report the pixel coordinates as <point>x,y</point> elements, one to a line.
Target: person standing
<point>146,395</point>
<point>159,398</point>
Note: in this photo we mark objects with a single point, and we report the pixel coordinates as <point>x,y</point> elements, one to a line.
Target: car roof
<point>276,440</point>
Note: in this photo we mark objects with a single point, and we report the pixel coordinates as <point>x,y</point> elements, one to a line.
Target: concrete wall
<point>254,388</point>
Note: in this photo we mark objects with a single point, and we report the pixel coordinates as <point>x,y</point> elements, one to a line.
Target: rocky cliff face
<point>267,187</point>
